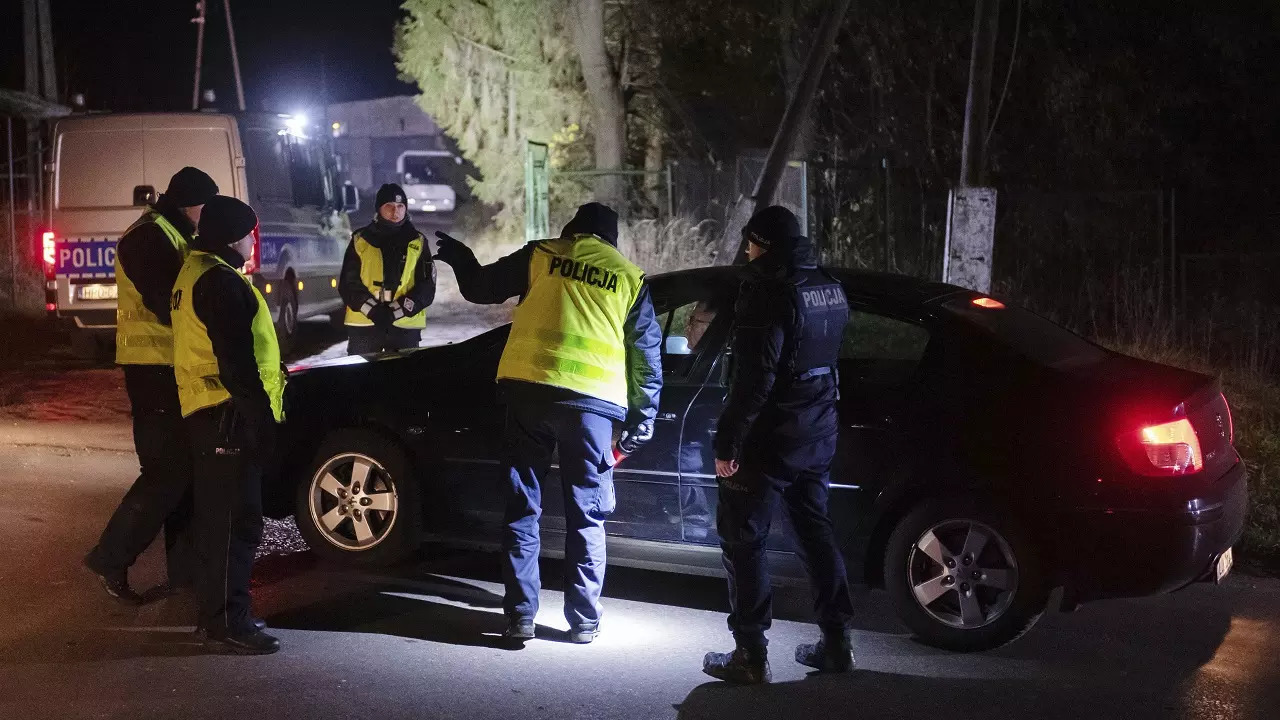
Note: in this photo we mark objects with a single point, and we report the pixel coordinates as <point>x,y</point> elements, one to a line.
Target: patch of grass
<point>659,246</point>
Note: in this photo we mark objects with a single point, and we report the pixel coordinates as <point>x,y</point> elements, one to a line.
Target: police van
<point>106,168</point>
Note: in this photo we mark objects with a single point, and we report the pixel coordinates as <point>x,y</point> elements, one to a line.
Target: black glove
<point>450,250</point>
<point>381,315</point>
<point>635,437</point>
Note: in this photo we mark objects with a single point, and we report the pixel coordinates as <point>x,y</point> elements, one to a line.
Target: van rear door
<point>104,166</point>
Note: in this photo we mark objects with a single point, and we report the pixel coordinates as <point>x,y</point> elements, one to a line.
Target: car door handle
<point>667,417</point>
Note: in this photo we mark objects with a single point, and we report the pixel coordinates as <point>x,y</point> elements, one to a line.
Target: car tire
<point>959,600</point>
<point>384,497</point>
<point>287,326</point>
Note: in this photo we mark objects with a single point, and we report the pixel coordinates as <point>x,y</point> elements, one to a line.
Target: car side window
<point>881,350</point>
<point>683,331</point>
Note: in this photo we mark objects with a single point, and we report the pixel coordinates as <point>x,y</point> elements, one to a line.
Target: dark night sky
<point>140,54</point>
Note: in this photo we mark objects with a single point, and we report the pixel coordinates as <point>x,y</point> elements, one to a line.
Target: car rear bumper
<point>1130,553</point>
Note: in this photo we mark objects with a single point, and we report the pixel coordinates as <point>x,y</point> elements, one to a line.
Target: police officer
<point>388,279</point>
<point>582,358</point>
<point>231,387</point>
<point>775,439</point>
<point>148,257</point>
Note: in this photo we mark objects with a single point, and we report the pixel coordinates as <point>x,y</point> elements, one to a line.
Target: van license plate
<point>96,292</point>
<point>1225,561</point>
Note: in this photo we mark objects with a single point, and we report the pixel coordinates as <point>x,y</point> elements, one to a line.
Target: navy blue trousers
<point>800,478</point>
<point>584,440</point>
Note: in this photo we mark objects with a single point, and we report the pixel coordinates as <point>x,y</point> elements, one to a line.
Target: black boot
<point>742,666</point>
<point>833,653</point>
<point>520,628</point>
<point>114,582</point>
<point>253,642</point>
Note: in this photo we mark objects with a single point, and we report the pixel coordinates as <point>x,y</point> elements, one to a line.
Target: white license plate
<point>1225,561</point>
<point>96,292</point>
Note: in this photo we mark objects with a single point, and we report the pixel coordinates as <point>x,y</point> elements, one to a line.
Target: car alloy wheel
<point>963,573</point>
<point>353,502</point>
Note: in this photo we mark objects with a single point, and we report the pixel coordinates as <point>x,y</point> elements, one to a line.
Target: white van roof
<point>100,159</point>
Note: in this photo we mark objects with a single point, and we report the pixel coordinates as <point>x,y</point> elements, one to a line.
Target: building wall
<point>372,134</point>
<point>397,116</point>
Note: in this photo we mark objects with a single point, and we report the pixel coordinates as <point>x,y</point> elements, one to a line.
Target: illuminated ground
<point>421,642</point>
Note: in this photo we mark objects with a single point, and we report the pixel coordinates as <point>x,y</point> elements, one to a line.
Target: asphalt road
<point>422,641</point>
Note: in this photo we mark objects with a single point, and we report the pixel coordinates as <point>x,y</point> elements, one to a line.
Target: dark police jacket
<point>789,322</point>
<point>509,277</point>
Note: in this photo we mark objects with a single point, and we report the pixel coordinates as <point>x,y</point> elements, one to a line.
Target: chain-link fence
<point>1096,262</point>
<point>878,217</point>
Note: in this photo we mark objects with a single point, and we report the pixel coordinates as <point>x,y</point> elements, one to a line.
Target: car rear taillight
<point>253,262</point>
<point>49,253</point>
<point>1168,449</point>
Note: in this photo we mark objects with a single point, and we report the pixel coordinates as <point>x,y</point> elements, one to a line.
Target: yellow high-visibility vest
<point>371,274</point>
<point>194,364</point>
<point>568,330</point>
<point>141,339</point>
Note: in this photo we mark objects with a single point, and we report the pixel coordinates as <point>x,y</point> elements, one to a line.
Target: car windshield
<point>1041,340</point>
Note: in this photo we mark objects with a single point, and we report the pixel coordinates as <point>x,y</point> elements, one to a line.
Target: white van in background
<point>107,167</point>
<point>424,177</point>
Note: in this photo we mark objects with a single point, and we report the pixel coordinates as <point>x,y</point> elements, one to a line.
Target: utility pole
<point>235,57</point>
<point>732,245</point>
<point>201,6</point>
<point>47,73</point>
<point>971,206</point>
<point>973,156</point>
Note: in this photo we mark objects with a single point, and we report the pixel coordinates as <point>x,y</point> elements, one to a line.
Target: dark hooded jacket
<point>393,240</point>
<point>767,406</point>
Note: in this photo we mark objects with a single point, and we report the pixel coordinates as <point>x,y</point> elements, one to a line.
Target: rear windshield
<point>1039,339</point>
<point>100,168</point>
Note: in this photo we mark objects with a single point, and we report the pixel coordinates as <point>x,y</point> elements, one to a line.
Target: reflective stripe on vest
<point>569,329</point>
<point>195,366</point>
<point>371,274</point>
<point>141,339</point>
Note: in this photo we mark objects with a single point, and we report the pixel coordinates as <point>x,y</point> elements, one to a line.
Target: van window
<point>266,167</point>
<point>306,168</point>
<point>168,150</point>
<point>99,169</point>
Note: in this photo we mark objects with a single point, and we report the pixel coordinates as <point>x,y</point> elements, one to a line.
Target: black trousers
<point>161,496</point>
<point>228,513</point>
<point>799,476</point>
<point>361,340</point>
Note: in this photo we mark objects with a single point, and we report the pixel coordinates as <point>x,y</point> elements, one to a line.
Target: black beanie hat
<point>594,219</point>
<point>773,227</point>
<point>223,221</point>
<point>389,193</point>
<point>190,187</point>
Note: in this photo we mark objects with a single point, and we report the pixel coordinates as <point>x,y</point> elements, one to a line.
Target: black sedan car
<point>986,456</point>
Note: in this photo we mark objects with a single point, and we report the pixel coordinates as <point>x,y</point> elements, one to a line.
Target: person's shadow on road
<point>431,608</point>
<point>1103,666</point>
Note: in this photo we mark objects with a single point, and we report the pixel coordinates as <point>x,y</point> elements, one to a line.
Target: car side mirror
<point>350,198</point>
<point>677,345</point>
